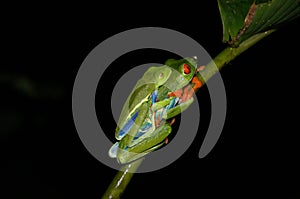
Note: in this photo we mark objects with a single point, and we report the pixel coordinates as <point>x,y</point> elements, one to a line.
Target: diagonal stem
<point>228,54</point>
<point>121,180</point>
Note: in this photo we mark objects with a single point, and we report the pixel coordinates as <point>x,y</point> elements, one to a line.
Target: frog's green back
<point>152,79</point>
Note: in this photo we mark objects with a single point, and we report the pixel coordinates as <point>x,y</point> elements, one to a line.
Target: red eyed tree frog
<point>145,121</point>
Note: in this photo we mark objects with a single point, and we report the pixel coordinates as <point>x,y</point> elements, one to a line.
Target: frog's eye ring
<point>186,69</point>
<point>161,75</point>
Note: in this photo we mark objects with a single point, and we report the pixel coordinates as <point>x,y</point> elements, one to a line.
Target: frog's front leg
<point>185,96</point>
<point>178,109</point>
<point>171,107</point>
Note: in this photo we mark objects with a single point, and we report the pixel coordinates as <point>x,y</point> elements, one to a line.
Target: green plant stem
<point>123,177</point>
<point>121,180</point>
<point>228,54</point>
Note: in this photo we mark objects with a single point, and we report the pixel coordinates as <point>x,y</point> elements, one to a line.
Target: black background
<point>43,157</point>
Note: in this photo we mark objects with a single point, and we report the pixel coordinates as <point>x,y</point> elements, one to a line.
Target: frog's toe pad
<point>113,150</point>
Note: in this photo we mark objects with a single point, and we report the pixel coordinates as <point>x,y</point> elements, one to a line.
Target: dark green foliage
<point>243,19</point>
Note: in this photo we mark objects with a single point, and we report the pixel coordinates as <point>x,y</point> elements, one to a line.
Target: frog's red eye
<point>186,69</point>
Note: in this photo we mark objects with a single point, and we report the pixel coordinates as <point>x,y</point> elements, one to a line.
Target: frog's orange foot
<point>172,121</point>
<point>176,93</point>
<point>200,68</point>
<point>197,83</point>
<point>166,141</point>
<point>189,90</point>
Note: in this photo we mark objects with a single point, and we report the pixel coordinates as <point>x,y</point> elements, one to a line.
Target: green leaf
<point>233,13</point>
<point>243,19</point>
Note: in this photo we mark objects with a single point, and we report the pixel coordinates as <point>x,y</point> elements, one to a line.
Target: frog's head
<point>183,72</point>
